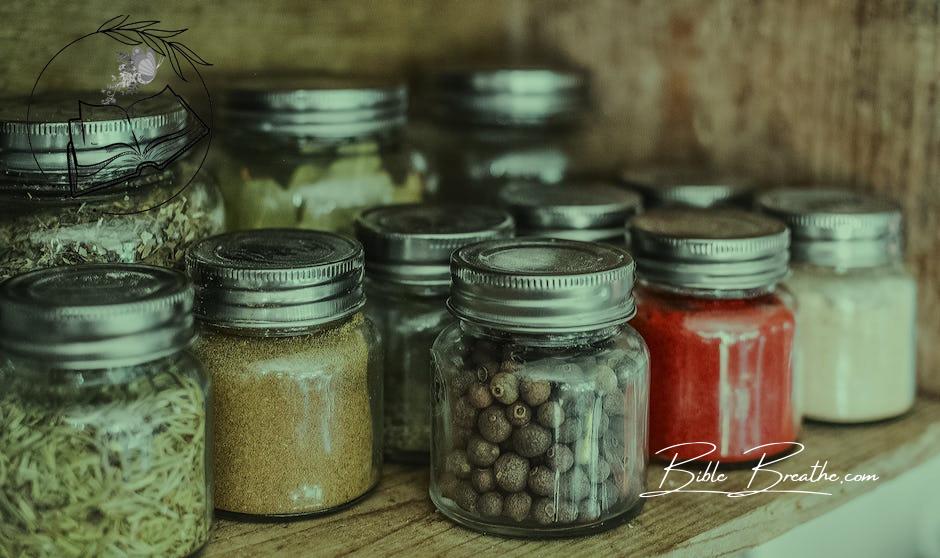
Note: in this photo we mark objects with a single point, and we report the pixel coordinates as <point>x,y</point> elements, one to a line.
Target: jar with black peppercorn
<point>539,411</point>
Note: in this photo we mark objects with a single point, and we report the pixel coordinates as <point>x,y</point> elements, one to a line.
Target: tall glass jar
<point>74,190</point>
<point>720,334</point>
<point>104,437</point>
<point>487,126</point>
<point>591,212</point>
<point>296,377</point>
<point>857,319</point>
<point>312,153</point>
<point>408,249</point>
<point>539,411</point>
<point>688,186</point>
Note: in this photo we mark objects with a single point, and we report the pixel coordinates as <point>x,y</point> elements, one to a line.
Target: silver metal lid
<point>576,211</point>
<point>542,285</point>
<point>276,278</point>
<point>325,107</point>
<point>96,315</point>
<point>710,249</point>
<point>510,96</point>
<point>412,244</point>
<point>687,187</point>
<point>837,228</point>
<point>67,131</point>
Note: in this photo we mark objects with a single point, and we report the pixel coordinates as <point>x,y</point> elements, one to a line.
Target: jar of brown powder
<point>297,392</point>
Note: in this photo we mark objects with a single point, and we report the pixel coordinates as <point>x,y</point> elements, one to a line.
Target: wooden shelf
<point>399,518</point>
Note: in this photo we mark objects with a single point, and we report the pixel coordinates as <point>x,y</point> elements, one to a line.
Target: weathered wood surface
<point>834,91</point>
<point>398,518</point>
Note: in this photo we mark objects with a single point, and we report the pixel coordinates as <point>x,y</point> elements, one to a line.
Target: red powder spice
<point>721,373</point>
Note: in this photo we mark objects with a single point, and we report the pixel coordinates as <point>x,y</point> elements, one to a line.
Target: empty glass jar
<point>104,442</point>
<point>408,249</point>
<point>857,318</point>
<point>312,153</point>
<point>539,410</point>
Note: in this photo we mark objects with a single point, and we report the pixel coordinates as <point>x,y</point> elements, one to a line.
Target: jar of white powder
<point>856,321</point>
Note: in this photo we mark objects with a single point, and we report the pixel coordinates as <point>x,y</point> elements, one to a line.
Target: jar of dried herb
<point>104,444</point>
<point>539,413</point>
<point>408,250</point>
<point>313,152</point>
<point>296,375</point>
<point>688,186</point>
<point>91,190</point>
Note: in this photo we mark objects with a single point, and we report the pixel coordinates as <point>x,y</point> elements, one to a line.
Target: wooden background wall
<point>834,91</point>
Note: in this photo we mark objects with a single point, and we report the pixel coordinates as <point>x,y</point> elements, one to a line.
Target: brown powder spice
<point>294,430</point>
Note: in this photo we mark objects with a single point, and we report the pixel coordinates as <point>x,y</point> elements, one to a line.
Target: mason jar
<point>313,152</point>
<point>294,363</point>
<point>487,126</point>
<point>857,319</point>
<point>587,211</point>
<point>688,186</point>
<point>720,333</point>
<point>407,250</point>
<point>102,187</point>
<point>539,411</point>
<point>104,437</point>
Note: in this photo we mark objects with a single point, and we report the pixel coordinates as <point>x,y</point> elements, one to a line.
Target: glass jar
<point>487,126</point>
<point>591,212</point>
<point>296,376</point>
<point>688,186</point>
<point>539,412</point>
<point>312,153</point>
<point>68,195</point>
<point>720,334</point>
<point>849,281</point>
<point>407,250</point>
<point>104,440</point>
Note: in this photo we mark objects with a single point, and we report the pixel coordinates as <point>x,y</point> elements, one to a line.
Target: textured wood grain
<point>829,91</point>
<point>398,518</point>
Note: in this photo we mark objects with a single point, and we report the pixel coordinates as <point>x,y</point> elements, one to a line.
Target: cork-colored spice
<point>293,417</point>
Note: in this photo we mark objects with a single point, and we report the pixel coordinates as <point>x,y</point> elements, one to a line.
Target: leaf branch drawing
<point>147,33</point>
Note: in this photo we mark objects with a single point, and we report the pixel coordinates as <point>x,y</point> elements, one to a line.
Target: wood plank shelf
<point>398,518</point>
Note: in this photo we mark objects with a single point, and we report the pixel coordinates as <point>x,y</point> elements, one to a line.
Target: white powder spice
<point>856,342</point>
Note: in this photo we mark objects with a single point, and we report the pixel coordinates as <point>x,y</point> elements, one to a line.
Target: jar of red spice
<point>720,333</point>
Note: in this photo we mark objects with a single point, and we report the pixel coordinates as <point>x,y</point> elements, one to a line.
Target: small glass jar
<point>688,186</point>
<point>68,195</point>
<point>487,126</point>
<point>296,377</point>
<point>408,249</point>
<point>590,212</point>
<point>720,333</point>
<point>857,319</point>
<point>312,153</point>
<point>539,411</point>
<point>104,438</point>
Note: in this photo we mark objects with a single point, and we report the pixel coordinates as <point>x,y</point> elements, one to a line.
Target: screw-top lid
<point>710,249</point>
<point>837,228</point>
<point>542,285</point>
<point>99,144</point>
<point>510,96</point>
<point>577,211</point>
<point>687,187</point>
<point>96,315</point>
<point>276,278</point>
<point>412,244</point>
<point>326,107</point>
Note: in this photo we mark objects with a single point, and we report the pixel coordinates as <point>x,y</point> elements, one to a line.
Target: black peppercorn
<point>511,472</point>
<point>614,404</point>
<point>566,512</point>
<point>510,366</point>
<point>479,396</point>
<point>559,457</point>
<point>462,381</point>
<point>569,431</point>
<point>531,440</point>
<point>543,511</point>
<point>480,452</point>
<point>490,504</point>
<point>493,424</point>
<point>483,480</point>
<point>575,485</point>
<point>589,510</point>
<point>550,414</point>
<point>609,494</point>
<point>457,464</point>
<point>598,471</point>
<point>541,481</point>
<point>464,413</point>
<point>448,484</point>
<point>466,497</point>
<point>605,379</point>
<point>535,392</point>
<point>517,506</point>
<point>518,414</point>
<point>460,436</point>
<point>505,387</point>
